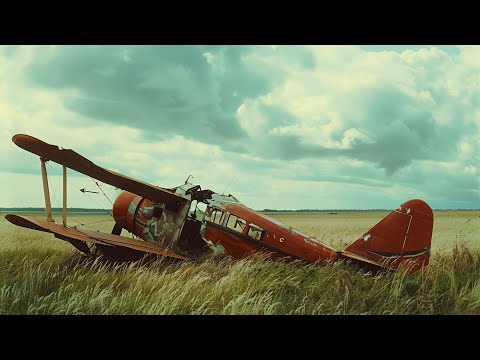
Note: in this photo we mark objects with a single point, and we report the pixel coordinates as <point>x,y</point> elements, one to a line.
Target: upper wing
<point>90,236</point>
<point>78,163</point>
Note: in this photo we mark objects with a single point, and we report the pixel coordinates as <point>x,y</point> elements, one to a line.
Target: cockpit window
<point>236,223</point>
<point>216,216</point>
<point>256,232</point>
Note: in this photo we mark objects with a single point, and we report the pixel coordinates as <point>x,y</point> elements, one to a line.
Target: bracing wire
<point>100,206</point>
<point>88,224</point>
<point>95,222</point>
<point>103,192</point>
<point>230,183</point>
<point>55,193</point>
<point>70,183</point>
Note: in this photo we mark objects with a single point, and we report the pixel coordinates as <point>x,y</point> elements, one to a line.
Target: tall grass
<point>55,279</point>
<point>53,282</point>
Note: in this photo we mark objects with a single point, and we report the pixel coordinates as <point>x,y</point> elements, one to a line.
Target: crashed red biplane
<point>162,220</point>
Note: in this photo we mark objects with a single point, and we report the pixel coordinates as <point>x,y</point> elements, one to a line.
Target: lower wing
<point>94,237</point>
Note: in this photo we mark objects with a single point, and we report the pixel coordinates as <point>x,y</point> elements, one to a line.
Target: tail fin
<point>404,235</point>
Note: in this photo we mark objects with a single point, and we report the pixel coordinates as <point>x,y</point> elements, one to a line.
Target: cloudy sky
<point>284,127</point>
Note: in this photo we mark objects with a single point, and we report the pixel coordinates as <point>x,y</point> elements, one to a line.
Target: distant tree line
<point>346,210</point>
<point>321,210</point>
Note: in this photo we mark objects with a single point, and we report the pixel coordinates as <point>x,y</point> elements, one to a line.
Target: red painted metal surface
<point>282,238</point>
<point>402,237</point>
<point>120,209</point>
<point>233,245</point>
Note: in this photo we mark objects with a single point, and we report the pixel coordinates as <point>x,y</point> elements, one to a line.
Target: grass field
<point>43,275</point>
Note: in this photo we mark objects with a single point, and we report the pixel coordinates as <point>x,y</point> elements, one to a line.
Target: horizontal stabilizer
<point>89,236</point>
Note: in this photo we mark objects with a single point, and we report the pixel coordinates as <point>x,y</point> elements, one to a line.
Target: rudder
<point>403,236</point>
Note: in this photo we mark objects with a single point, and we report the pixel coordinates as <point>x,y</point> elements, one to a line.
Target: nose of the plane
<point>120,208</point>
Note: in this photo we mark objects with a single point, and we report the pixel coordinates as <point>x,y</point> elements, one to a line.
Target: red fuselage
<point>234,229</point>
<point>255,231</point>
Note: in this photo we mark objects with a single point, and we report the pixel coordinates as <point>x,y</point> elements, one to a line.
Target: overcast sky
<point>286,127</point>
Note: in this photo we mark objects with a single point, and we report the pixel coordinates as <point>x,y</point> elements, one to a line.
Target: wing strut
<point>46,192</point>
<point>64,214</point>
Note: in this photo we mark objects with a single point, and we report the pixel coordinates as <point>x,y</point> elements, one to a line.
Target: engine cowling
<point>132,213</point>
<point>120,208</point>
<point>169,227</point>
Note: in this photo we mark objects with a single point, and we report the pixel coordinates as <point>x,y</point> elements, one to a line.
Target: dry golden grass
<point>44,275</point>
